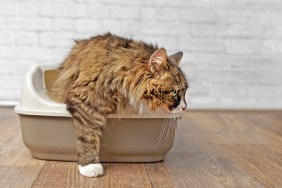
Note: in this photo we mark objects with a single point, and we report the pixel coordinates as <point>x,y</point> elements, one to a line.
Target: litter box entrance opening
<point>49,78</point>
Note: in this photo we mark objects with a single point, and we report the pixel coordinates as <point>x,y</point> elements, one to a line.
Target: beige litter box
<point>48,129</point>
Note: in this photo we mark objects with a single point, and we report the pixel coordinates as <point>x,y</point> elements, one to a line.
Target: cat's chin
<point>174,111</point>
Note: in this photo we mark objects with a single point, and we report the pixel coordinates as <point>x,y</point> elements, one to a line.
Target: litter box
<point>48,128</point>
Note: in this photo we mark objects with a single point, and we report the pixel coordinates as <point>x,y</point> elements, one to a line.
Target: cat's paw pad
<point>91,170</point>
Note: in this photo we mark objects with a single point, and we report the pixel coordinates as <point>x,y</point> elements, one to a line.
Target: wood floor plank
<point>159,175</point>
<point>65,174</point>
<point>17,168</point>
<point>194,161</point>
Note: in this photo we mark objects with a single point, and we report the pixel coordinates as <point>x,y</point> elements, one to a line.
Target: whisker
<point>179,126</point>
<point>108,131</point>
<point>175,121</point>
<point>169,127</point>
<point>162,130</point>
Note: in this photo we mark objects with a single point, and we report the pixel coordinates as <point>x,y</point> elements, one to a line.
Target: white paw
<point>91,170</point>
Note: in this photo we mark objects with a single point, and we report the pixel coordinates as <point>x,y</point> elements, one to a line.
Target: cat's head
<point>168,86</point>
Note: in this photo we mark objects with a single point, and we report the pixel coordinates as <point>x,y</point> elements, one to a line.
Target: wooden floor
<point>212,149</point>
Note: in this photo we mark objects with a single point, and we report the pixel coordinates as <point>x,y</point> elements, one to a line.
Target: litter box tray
<point>48,129</point>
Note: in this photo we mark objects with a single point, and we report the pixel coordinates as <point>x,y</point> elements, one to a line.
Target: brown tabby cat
<point>107,74</point>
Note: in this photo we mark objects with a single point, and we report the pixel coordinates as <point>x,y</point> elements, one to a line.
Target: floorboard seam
<point>38,174</point>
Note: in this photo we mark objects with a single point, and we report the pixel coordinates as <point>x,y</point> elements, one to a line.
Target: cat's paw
<point>91,170</point>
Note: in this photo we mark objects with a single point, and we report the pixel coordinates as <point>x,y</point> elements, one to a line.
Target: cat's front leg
<point>88,128</point>
<point>88,148</point>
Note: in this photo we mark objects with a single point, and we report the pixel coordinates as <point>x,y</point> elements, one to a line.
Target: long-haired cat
<point>108,74</point>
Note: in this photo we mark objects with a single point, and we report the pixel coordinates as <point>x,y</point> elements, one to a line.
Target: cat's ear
<point>176,57</point>
<point>157,60</point>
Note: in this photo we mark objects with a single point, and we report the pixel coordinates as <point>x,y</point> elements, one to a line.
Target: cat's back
<point>112,46</point>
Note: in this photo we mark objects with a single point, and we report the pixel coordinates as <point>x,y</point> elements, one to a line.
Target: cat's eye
<point>174,92</point>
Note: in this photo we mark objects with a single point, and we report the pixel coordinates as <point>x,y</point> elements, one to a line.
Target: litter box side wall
<point>49,138</point>
<point>124,139</point>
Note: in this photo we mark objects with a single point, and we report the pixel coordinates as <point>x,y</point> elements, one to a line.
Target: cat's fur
<point>107,74</point>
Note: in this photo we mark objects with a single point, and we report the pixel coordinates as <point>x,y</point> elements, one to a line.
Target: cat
<point>107,74</point>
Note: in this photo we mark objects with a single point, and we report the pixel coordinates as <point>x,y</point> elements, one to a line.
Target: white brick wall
<point>232,48</point>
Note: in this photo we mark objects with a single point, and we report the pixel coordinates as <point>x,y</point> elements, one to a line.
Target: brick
<point>9,68</point>
<point>242,31</point>
<point>98,11</point>
<point>253,17</point>
<point>59,24</point>
<point>272,46</point>
<point>265,77</point>
<point>243,46</point>
<point>64,10</point>
<point>60,1</point>
<point>3,54</point>
<point>166,3</point>
<point>28,24</point>
<point>272,32</point>
<point>169,43</point>
<point>204,30</point>
<point>202,101</point>
<point>243,63</point>
<point>29,9</point>
<point>198,88</point>
<point>23,66</point>
<point>201,45</point>
<point>241,16</point>
<point>228,90</point>
<point>6,38</point>
<point>148,14</point>
<point>32,53</point>
<point>213,4</point>
<point>26,38</point>
<point>50,39</point>
<point>166,14</point>
<point>88,26</point>
<point>220,76</point>
<point>131,2</point>
<point>238,102</point>
<point>268,63</point>
<point>113,26</point>
<point>9,95</point>
<point>8,8</point>
<point>164,29</point>
<point>126,12</point>
<point>269,103</point>
<point>200,15</point>
<point>264,91</point>
<point>271,4</point>
<point>87,1</point>
<point>130,28</point>
<point>60,53</point>
<point>1,23</point>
